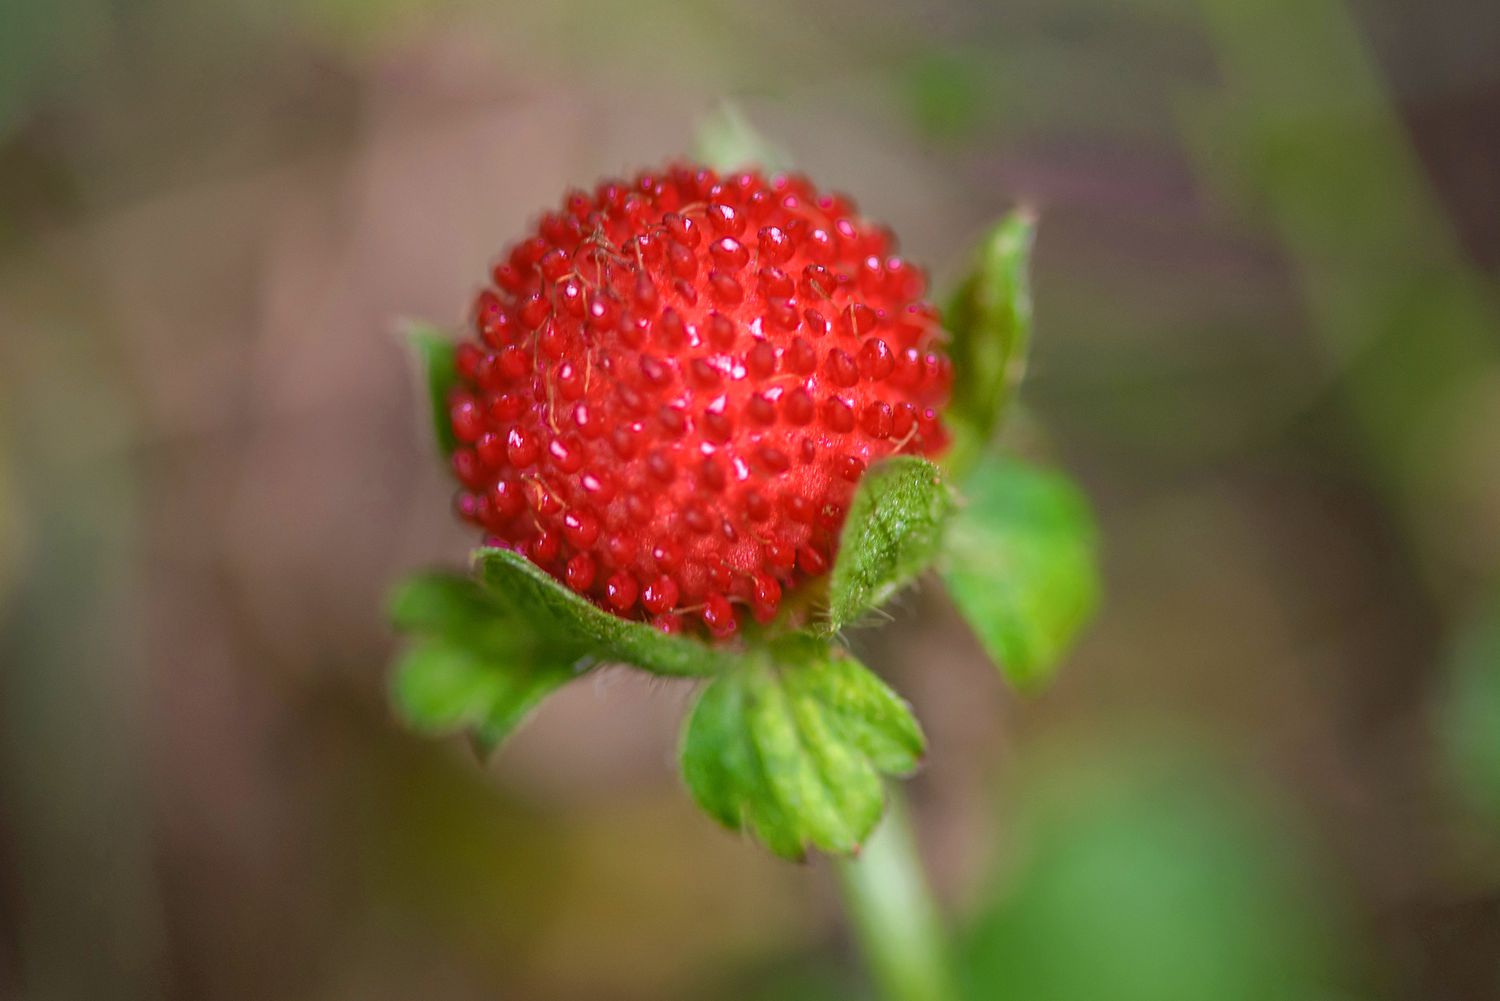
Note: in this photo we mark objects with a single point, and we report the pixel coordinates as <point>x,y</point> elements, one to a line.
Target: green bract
<point>441,689</point>
<point>727,141</point>
<point>890,536</point>
<point>435,356</point>
<point>1019,563</point>
<point>473,665</point>
<point>791,744</point>
<point>990,323</point>
<point>552,608</point>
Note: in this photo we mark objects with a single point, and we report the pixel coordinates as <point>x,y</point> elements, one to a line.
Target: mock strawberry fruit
<point>677,383</point>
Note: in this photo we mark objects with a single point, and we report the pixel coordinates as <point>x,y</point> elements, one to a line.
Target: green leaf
<point>791,744</point>
<point>947,90</point>
<point>473,664</point>
<point>727,141</point>
<point>1469,719</point>
<point>442,688</point>
<point>440,603</point>
<point>554,610</point>
<point>1135,875</point>
<point>891,535</point>
<point>1019,561</point>
<point>459,609</point>
<point>435,354</point>
<point>990,323</point>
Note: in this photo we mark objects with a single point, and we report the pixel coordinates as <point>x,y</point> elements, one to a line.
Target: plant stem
<point>894,916</point>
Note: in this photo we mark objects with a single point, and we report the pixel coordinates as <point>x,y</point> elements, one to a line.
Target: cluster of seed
<point>679,380</point>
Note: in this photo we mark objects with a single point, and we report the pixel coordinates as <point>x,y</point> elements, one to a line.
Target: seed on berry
<point>521,447</point>
<point>468,420</point>
<point>669,623</point>
<point>876,360</point>
<point>810,561</point>
<point>841,368</point>
<point>506,498</point>
<point>798,406</point>
<point>765,596</point>
<point>761,360</point>
<point>667,554</point>
<point>544,546</point>
<point>660,595</point>
<point>620,592</point>
<point>875,419</point>
<point>580,572</point>
<point>838,415</point>
<point>580,528</point>
<point>726,219</point>
<point>718,615</point>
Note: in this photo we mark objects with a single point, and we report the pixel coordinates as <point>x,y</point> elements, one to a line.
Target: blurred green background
<point>1268,344</point>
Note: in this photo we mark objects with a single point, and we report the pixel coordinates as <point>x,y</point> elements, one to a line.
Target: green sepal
<point>459,609</point>
<point>440,688</point>
<point>791,743</point>
<point>726,141</point>
<point>472,664</point>
<point>554,610</point>
<point>1020,561</point>
<point>435,352</point>
<point>892,534</point>
<point>989,321</point>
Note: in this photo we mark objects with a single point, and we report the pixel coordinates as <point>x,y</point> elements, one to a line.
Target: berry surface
<point>676,383</point>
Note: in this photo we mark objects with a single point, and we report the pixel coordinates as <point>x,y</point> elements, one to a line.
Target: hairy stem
<point>893,914</point>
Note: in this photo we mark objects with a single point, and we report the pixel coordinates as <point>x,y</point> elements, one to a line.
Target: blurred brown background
<point>1267,345</point>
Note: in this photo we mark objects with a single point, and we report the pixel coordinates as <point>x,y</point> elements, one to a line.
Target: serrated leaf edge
<point>742,817</point>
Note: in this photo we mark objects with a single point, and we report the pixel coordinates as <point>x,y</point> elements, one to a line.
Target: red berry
<point>675,384</point>
<point>580,572</point>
